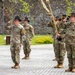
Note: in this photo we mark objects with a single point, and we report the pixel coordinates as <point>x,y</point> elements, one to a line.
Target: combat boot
<point>60,65</point>
<point>68,70</point>
<point>13,66</point>
<point>27,56</point>
<point>55,59</point>
<point>73,70</point>
<point>17,66</point>
<point>24,58</point>
<point>57,66</point>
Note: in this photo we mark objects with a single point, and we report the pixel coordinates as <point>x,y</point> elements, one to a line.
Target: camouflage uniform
<point>29,30</point>
<point>15,43</point>
<point>50,24</point>
<point>70,44</point>
<point>60,45</point>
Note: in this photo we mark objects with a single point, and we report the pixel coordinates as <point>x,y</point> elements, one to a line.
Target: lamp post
<point>2,16</point>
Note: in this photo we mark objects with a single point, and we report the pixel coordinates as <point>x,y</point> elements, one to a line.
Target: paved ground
<point>40,63</point>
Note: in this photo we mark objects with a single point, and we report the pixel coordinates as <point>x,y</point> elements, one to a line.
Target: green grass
<point>34,40</point>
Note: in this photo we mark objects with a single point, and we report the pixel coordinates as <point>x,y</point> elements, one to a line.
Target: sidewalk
<point>40,62</point>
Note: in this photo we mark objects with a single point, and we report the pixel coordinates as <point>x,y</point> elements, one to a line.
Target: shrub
<point>44,40</point>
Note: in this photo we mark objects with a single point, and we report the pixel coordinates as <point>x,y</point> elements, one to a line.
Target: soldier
<point>29,30</point>
<point>17,31</point>
<point>70,42</point>
<point>68,19</point>
<point>60,44</point>
<point>50,24</point>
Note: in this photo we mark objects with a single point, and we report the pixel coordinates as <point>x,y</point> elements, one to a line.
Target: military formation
<point>64,41</point>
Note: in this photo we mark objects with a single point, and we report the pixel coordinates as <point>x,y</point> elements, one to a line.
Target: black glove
<point>59,38</point>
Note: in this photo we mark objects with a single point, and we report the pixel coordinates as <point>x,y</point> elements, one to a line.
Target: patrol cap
<point>63,16</point>
<point>57,18</point>
<point>72,15</point>
<point>26,19</point>
<point>17,18</point>
<point>68,18</point>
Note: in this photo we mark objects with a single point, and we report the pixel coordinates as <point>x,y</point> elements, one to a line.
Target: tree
<point>49,11</point>
<point>19,6</point>
<point>25,6</point>
<point>70,5</point>
<point>13,7</point>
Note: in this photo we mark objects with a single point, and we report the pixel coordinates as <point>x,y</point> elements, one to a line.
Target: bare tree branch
<point>44,6</point>
<point>51,12</point>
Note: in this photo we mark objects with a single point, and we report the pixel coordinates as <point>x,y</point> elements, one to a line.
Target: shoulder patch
<point>24,31</point>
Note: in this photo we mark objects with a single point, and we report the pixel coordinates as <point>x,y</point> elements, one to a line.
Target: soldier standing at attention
<point>29,30</point>
<point>70,43</point>
<point>50,24</point>
<point>17,31</point>
<point>60,43</point>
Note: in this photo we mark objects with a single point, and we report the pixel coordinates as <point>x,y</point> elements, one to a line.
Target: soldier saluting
<point>17,31</point>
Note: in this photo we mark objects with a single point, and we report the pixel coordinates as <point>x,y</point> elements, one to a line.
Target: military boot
<point>57,66</point>
<point>73,70</point>
<point>68,70</point>
<point>55,59</point>
<point>17,66</point>
<point>25,56</point>
<point>60,65</point>
<point>28,56</point>
<point>13,66</point>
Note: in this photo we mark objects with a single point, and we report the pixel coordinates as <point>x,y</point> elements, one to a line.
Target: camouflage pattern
<point>29,30</point>
<point>15,43</point>
<point>70,43</point>
<point>60,51</point>
<point>50,24</point>
<point>60,44</point>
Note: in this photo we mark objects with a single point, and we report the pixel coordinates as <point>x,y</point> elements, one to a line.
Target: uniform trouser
<point>54,47</point>
<point>15,52</point>
<point>71,54</point>
<point>60,52</point>
<point>26,46</point>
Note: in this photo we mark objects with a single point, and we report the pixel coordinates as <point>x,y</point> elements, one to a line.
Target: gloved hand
<point>59,38</point>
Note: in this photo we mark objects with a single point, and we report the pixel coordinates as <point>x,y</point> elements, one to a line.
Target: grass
<point>33,42</point>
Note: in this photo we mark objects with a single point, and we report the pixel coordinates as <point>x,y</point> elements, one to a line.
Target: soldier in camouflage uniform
<point>29,30</point>
<point>60,44</point>
<point>70,42</point>
<point>50,24</point>
<point>17,31</point>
